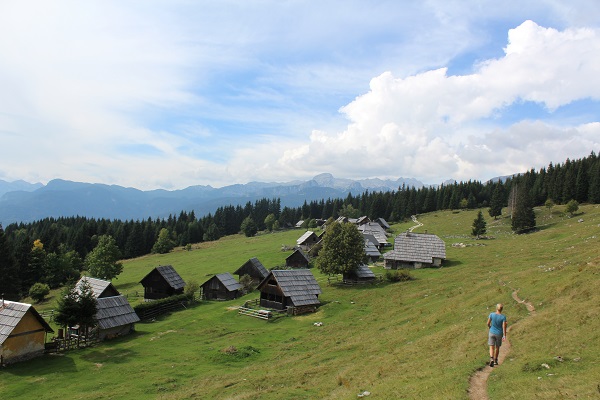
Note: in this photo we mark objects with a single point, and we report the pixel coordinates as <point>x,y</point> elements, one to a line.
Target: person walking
<point>497,324</point>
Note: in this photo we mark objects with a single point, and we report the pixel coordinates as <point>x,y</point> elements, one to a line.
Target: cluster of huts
<point>23,330</point>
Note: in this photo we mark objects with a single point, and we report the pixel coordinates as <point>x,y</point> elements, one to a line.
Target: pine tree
<point>479,225</point>
<point>523,216</point>
<point>497,201</point>
<point>10,284</point>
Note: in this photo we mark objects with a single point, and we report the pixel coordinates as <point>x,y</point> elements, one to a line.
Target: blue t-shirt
<point>497,321</point>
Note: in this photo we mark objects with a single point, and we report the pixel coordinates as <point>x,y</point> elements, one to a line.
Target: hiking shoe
<point>491,363</point>
<point>496,361</point>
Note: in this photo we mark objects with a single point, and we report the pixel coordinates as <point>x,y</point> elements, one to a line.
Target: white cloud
<point>436,126</point>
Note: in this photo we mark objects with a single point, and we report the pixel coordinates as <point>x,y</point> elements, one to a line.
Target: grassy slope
<point>420,339</point>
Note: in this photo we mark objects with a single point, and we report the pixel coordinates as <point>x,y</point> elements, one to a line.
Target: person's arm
<point>489,323</point>
<point>504,330</point>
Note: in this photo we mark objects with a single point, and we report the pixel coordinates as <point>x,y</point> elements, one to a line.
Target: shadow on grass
<point>109,355</point>
<point>48,364</point>
<point>451,263</point>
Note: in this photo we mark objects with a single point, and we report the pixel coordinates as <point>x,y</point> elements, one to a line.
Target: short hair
<point>499,306</point>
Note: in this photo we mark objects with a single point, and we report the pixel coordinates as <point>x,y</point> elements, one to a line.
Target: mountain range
<point>21,201</point>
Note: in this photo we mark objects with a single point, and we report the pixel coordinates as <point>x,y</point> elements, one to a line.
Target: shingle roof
<point>11,313</point>
<point>371,249</point>
<point>115,311</point>
<point>299,285</point>
<point>302,253</point>
<point>373,228</point>
<point>257,266</point>
<point>170,275</point>
<point>383,223</point>
<point>305,237</point>
<point>417,247</point>
<point>363,271</point>
<point>228,281</point>
<point>98,285</point>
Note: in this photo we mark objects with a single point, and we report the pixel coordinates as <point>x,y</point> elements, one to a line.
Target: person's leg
<point>496,354</point>
<point>492,352</point>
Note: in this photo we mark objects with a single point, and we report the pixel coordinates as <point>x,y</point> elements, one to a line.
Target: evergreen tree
<point>87,306</point>
<point>67,310</point>
<point>10,284</point>
<point>343,249</point>
<point>523,216</point>
<point>497,201</point>
<point>479,225</point>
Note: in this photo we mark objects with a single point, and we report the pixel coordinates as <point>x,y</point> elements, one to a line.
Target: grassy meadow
<point>407,340</point>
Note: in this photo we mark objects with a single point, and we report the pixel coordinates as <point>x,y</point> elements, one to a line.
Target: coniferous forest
<point>53,250</point>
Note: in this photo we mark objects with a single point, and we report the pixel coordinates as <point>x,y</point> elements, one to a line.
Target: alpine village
<point>381,294</point>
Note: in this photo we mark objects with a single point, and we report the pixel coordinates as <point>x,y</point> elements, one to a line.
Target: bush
<point>401,275</point>
<point>39,291</point>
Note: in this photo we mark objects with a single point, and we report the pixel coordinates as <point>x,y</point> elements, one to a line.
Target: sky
<point>170,94</point>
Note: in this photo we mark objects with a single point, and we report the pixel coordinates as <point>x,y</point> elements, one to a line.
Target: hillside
<point>418,339</point>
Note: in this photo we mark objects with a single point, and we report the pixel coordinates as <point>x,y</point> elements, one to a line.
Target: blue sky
<point>169,94</point>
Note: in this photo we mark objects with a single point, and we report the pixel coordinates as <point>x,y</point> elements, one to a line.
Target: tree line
<point>54,250</point>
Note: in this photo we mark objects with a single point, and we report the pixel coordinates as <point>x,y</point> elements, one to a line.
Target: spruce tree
<point>523,216</point>
<point>479,225</point>
<point>497,201</point>
<point>10,284</point>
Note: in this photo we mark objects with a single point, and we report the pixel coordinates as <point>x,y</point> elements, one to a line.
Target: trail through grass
<point>417,339</point>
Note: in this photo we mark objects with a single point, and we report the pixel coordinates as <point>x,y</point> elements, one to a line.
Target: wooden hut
<point>22,332</point>
<point>221,287</point>
<point>163,281</point>
<point>416,250</point>
<point>100,287</point>
<point>298,259</point>
<point>293,290</point>
<point>115,317</point>
<point>254,269</point>
<point>362,274</point>
<point>307,240</point>
<point>371,250</point>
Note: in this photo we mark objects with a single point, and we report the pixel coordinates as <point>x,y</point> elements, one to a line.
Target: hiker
<point>497,324</point>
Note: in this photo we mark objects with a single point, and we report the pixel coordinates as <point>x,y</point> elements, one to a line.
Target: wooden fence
<point>261,314</point>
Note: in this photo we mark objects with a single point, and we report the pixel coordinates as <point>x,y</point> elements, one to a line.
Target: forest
<point>52,250</point>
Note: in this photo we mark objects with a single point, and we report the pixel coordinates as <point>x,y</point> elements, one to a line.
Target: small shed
<point>298,259</point>
<point>22,332</point>
<point>221,287</point>
<point>307,240</point>
<point>163,281</point>
<point>254,269</point>
<point>362,274</point>
<point>100,287</point>
<point>362,220</point>
<point>295,290</point>
<point>371,251</point>
<point>383,223</point>
<point>375,230</point>
<point>416,250</point>
<point>115,317</point>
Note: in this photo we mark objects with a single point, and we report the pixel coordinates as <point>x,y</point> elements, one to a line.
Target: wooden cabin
<point>371,250</point>
<point>22,332</point>
<point>163,281</point>
<point>362,274</point>
<point>294,290</point>
<point>254,269</point>
<point>115,317</point>
<point>415,250</point>
<point>100,287</point>
<point>221,287</point>
<point>298,259</point>
<point>307,240</point>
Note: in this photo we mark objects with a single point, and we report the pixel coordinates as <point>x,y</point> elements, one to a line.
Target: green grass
<point>417,339</point>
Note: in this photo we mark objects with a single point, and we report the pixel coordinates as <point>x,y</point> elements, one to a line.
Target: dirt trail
<point>414,218</point>
<point>478,381</point>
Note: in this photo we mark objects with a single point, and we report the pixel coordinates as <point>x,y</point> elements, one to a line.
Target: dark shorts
<point>494,340</point>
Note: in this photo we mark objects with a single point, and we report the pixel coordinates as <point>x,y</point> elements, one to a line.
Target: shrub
<point>39,291</point>
<point>401,275</point>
